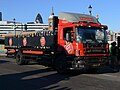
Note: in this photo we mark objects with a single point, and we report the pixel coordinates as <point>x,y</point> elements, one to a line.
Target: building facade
<point>14,27</point>
<point>112,36</point>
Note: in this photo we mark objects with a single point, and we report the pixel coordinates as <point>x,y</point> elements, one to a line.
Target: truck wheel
<point>61,65</point>
<point>19,58</point>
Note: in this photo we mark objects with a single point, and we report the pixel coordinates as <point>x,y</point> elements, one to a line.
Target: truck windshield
<point>90,35</point>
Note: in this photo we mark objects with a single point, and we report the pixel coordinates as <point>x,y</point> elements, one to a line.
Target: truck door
<point>68,40</point>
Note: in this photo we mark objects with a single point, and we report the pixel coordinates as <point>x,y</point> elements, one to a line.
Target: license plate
<point>96,65</point>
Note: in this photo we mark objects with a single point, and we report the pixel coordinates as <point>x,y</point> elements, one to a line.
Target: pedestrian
<point>113,54</point>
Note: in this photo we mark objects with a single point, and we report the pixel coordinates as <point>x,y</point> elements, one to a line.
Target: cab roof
<point>77,17</point>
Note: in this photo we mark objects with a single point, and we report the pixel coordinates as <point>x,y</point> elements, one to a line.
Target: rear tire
<point>19,59</point>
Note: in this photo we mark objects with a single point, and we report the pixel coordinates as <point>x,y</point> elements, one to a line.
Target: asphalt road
<point>38,77</point>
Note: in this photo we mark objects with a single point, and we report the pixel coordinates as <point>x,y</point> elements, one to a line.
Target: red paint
<point>32,52</point>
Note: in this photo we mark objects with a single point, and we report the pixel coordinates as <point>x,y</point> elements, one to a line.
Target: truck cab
<point>82,39</point>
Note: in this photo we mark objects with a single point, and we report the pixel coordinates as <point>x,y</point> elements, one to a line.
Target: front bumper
<point>87,62</point>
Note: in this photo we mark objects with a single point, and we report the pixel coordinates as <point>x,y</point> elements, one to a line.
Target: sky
<point>26,10</point>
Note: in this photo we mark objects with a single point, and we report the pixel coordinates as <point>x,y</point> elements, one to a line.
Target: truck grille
<point>95,48</point>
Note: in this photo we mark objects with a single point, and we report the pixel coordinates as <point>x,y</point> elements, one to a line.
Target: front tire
<point>61,64</point>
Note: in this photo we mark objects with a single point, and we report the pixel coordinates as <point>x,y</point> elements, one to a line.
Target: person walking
<point>113,54</point>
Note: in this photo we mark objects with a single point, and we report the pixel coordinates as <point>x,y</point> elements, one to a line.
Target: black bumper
<point>87,62</point>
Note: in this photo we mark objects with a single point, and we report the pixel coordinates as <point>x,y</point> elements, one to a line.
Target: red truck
<point>73,41</point>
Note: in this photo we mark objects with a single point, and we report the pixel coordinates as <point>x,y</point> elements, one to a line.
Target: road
<point>38,77</point>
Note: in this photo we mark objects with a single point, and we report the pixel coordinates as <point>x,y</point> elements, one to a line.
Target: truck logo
<point>69,47</point>
<point>10,41</point>
<point>86,18</point>
<point>25,42</point>
<point>42,41</point>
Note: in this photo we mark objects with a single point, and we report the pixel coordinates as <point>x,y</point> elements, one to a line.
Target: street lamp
<point>90,9</point>
<point>14,27</point>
